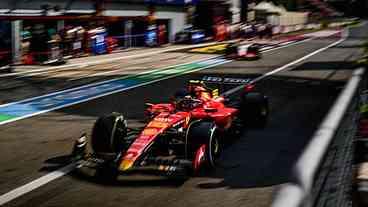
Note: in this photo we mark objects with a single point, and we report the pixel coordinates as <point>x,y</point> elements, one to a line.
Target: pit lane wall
<point>323,174</point>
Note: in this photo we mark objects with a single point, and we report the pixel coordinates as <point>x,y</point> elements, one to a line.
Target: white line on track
<point>120,90</point>
<point>302,58</point>
<point>288,45</point>
<point>82,65</point>
<point>105,94</point>
<point>343,38</point>
<point>98,74</point>
<point>36,183</point>
<point>108,60</point>
<point>116,71</point>
<point>106,81</point>
<point>11,195</point>
<point>266,48</point>
<point>125,77</point>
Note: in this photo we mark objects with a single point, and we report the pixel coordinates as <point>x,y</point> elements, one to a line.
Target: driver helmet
<point>186,103</point>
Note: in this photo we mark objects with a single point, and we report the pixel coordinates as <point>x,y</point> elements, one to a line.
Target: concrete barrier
<point>299,190</point>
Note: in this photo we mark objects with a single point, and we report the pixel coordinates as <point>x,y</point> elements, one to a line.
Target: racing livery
<point>181,137</point>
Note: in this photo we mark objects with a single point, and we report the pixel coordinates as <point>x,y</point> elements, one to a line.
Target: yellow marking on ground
<point>211,49</point>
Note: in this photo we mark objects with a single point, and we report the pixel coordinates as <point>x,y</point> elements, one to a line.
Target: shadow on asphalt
<point>349,46</point>
<point>328,65</point>
<point>264,157</point>
<point>55,163</point>
<point>86,174</point>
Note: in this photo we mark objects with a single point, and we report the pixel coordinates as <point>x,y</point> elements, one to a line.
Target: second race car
<point>190,36</point>
<point>246,51</point>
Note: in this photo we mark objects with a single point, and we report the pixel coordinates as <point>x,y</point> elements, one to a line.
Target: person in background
<point>162,34</point>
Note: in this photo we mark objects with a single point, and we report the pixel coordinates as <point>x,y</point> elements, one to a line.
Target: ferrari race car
<point>247,51</point>
<point>180,138</point>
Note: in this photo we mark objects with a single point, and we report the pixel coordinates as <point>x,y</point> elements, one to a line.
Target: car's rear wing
<point>244,84</point>
<point>221,80</point>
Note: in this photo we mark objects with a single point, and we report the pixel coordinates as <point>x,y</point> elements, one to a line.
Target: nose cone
<point>126,165</point>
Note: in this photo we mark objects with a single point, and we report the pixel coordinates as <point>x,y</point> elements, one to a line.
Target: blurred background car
<point>190,36</point>
<point>241,50</point>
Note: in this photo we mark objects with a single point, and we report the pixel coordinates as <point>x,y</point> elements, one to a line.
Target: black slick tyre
<point>204,132</point>
<point>108,135</point>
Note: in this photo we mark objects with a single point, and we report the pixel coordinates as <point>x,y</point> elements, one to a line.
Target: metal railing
<point>322,176</point>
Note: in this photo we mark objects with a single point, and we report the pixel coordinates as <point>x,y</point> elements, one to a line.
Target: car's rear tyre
<point>203,132</point>
<point>108,135</point>
<point>254,109</point>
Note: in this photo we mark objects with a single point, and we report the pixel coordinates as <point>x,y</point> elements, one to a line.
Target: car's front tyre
<point>205,143</point>
<point>108,135</point>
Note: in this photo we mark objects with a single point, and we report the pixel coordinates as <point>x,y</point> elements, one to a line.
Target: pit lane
<point>254,164</point>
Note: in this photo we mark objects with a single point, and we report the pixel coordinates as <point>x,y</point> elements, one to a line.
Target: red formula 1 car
<point>180,138</point>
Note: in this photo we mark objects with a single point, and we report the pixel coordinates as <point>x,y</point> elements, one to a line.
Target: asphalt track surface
<point>251,168</point>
